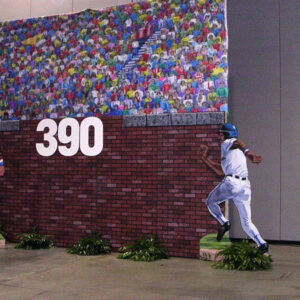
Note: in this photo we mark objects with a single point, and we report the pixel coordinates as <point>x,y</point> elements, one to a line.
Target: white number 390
<point>78,137</point>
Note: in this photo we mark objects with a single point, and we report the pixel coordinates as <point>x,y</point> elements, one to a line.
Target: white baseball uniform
<point>235,186</point>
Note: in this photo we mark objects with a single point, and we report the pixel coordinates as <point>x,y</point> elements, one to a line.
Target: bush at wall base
<point>33,240</point>
<point>2,232</point>
<point>243,257</point>
<point>145,249</point>
<point>91,245</point>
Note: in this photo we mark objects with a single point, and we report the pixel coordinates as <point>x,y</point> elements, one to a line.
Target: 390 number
<point>78,137</point>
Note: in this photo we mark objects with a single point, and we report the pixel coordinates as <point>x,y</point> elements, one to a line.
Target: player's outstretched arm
<point>256,159</point>
<point>215,166</point>
<point>238,144</point>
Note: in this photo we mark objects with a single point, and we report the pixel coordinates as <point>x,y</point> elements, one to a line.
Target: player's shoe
<point>221,231</point>
<point>264,248</point>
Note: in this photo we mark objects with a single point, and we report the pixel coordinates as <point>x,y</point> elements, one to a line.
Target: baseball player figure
<point>235,185</point>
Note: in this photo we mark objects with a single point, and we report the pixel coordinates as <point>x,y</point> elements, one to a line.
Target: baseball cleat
<point>221,231</point>
<point>264,248</point>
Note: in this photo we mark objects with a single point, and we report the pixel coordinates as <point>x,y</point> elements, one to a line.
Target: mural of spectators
<point>77,65</point>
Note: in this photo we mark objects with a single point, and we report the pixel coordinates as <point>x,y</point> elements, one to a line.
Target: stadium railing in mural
<point>206,118</point>
<point>146,58</point>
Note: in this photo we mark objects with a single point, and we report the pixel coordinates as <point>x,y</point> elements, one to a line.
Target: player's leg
<point>218,195</point>
<point>242,200</point>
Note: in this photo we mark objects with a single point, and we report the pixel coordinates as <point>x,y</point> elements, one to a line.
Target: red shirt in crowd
<point>98,86</point>
<point>205,30</point>
<point>217,47</point>
<point>147,111</point>
<point>222,34</point>
<point>142,69</point>
<point>218,105</point>
<point>70,96</point>
<point>166,87</point>
<point>210,67</point>
<point>146,56</point>
<point>192,90</point>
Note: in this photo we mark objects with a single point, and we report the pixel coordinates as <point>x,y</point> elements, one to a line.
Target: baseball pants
<point>239,191</point>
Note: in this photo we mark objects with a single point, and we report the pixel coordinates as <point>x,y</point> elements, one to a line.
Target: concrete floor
<point>55,274</point>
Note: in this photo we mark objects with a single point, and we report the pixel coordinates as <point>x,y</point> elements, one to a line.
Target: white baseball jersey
<point>234,161</point>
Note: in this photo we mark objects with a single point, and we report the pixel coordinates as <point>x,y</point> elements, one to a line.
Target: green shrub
<point>90,245</point>
<point>145,249</point>
<point>2,232</point>
<point>242,256</point>
<point>33,240</point>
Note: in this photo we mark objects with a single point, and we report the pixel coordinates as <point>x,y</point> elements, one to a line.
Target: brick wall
<point>146,180</point>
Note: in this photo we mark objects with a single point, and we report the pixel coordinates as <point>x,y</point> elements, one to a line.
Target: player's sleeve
<point>226,145</point>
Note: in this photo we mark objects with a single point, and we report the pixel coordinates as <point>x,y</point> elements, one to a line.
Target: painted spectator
<point>211,108</point>
<point>80,113</point>
<point>126,111</point>
<point>181,109</point>
<point>141,111</point>
<point>133,111</point>
<point>196,109</point>
<point>148,109</point>
<point>188,107</point>
<point>5,116</point>
<point>218,104</point>
<point>222,91</point>
<point>212,95</point>
<point>173,110</point>
<point>203,108</point>
<point>157,110</point>
<point>224,106</point>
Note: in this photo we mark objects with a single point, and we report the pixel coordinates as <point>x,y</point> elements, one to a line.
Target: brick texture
<point>146,181</point>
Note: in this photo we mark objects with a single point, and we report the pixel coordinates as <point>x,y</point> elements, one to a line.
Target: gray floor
<point>55,274</point>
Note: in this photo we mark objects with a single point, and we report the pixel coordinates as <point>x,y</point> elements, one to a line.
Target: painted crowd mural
<point>154,57</point>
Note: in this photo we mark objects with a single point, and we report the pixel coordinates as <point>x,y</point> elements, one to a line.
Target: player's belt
<point>237,177</point>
